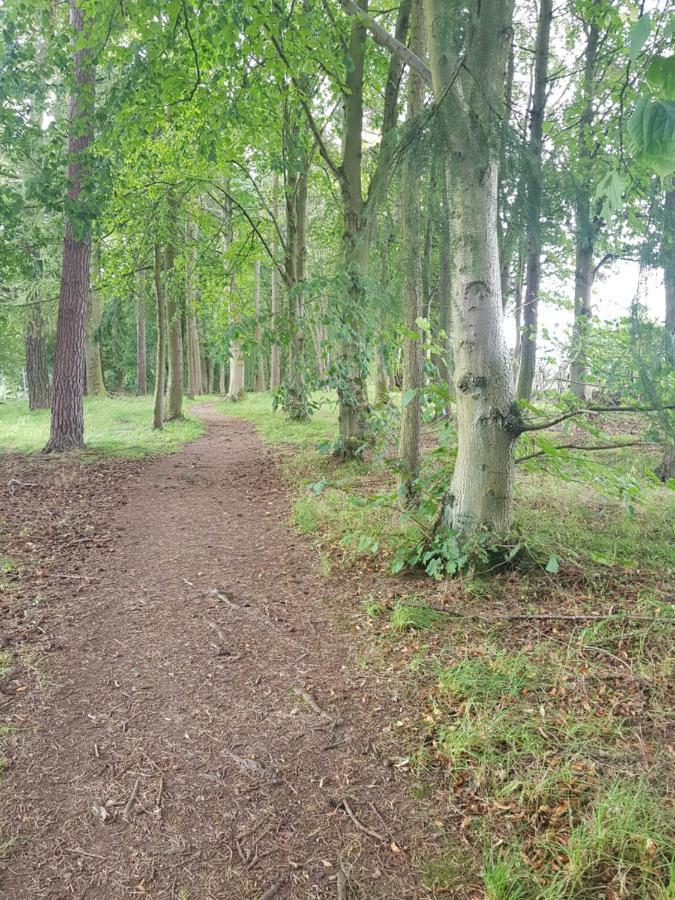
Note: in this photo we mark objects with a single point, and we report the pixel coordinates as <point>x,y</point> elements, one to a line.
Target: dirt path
<point>191,744</point>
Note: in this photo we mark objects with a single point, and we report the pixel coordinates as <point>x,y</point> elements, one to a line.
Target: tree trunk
<point>194,369</point>
<point>209,375</point>
<point>260,357</point>
<point>480,494</point>
<point>666,469</point>
<point>175,410</point>
<point>222,386</point>
<point>141,350</point>
<point>37,372</point>
<point>668,256</point>
<point>528,360</point>
<point>445,364</point>
<point>586,229</point>
<point>67,419</point>
<point>237,372</point>
<point>275,300</point>
<point>160,366</point>
<point>411,404</point>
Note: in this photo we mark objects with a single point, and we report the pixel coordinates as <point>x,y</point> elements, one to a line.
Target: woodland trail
<point>205,721</point>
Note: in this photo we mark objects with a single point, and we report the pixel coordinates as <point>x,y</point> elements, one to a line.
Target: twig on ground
<point>132,797</point>
<point>311,702</point>
<point>274,890</point>
<point>374,834</point>
<point>341,885</point>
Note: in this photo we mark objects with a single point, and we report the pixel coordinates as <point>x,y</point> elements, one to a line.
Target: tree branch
<point>592,409</point>
<point>382,37</point>
<point>617,446</point>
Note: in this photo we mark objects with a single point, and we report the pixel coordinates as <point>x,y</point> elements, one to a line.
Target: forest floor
<point>198,701</point>
<point>182,716</point>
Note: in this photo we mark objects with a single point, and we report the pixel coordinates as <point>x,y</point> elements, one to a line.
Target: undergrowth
<point>542,743</point>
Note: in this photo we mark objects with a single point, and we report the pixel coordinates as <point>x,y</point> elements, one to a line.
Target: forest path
<point>205,721</point>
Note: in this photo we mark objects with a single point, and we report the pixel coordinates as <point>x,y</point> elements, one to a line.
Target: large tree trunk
<point>586,229</point>
<point>160,366</point>
<point>480,494</point>
<point>94,369</point>
<point>528,360</point>
<point>141,349</point>
<point>67,419</point>
<point>37,372</point>
<point>175,410</point>
<point>411,406</point>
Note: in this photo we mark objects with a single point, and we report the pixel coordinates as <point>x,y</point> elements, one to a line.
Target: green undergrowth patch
<point>117,426</point>
<point>274,426</point>
<point>543,748</point>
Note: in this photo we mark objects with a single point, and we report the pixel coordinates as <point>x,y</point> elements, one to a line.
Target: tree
<point>409,442</point>
<point>528,356</point>
<point>67,419</point>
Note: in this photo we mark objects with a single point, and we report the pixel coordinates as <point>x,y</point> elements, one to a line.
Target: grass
<point>274,427</point>
<point>119,426</point>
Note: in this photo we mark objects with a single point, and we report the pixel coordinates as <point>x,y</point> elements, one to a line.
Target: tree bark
<point>37,372</point>
<point>528,360</point>
<point>586,228</point>
<point>67,419</point>
<point>480,494</point>
<point>411,406</point>
<point>141,349</point>
<point>160,366</point>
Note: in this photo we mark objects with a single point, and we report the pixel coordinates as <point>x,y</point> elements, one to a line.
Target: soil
<point>188,716</point>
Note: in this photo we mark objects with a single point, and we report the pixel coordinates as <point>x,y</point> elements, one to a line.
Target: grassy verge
<point>275,427</point>
<point>119,426</point>
<point>542,744</point>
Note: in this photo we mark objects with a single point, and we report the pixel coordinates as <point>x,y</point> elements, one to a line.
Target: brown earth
<point>188,718</point>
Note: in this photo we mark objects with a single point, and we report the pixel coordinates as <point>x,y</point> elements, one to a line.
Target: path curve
<point>206,720</point>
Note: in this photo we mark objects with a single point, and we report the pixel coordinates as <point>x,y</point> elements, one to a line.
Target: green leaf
<point>553,565</point>
<point>661,77</point>
<point>638,35</point>
<point>651,132</point>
